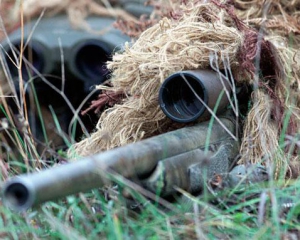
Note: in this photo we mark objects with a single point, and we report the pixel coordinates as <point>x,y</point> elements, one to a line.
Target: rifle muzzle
<point>19,194</point>
<point>185,96</point>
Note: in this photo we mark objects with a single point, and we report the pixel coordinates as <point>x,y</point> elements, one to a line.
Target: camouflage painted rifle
<point>180,158</point>
<point>185,158</point>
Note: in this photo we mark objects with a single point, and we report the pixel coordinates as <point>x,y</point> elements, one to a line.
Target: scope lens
<point>32,56</point>
<point>179,101</point>
<point>91,61</point>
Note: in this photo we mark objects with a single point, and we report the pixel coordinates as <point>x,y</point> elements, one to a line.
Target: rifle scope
<point>185,96</point>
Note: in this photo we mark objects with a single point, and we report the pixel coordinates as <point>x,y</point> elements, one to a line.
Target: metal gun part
<point>132,161</point>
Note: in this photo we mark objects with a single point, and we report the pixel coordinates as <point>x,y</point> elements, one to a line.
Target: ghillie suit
<point>199,35</point>
<point>279,22</point>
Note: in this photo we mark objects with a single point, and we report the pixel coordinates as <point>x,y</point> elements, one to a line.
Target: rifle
<point>180,158</point>
<point>176,158</point>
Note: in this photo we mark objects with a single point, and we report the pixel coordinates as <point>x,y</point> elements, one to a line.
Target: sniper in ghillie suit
<point>171,98</point>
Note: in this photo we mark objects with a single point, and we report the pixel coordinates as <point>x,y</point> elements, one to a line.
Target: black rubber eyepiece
<point>179,100</point>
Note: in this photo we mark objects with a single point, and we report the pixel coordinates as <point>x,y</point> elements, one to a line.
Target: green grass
<point>251,212</point>
<point>91,216</point>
